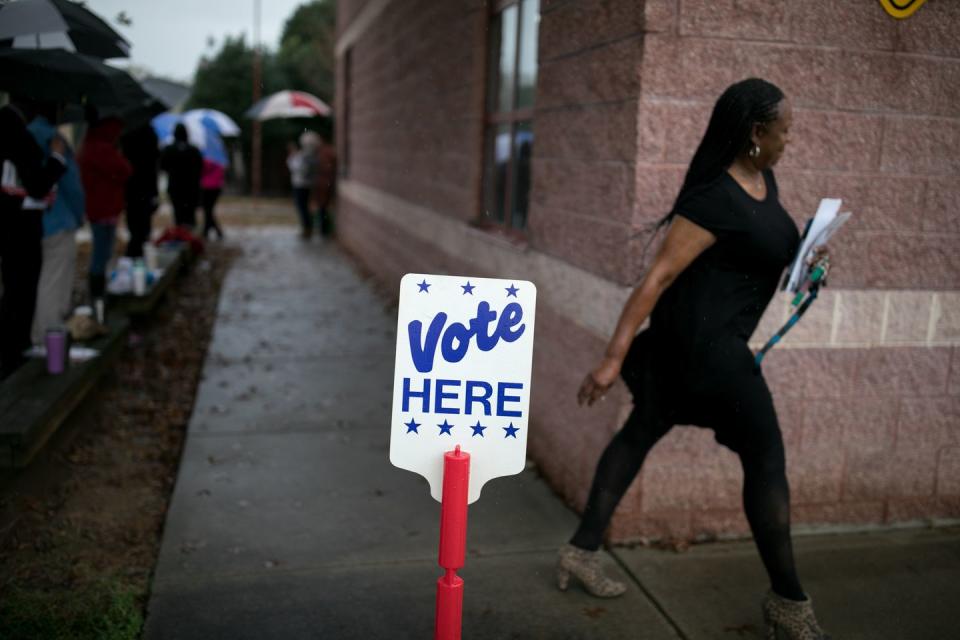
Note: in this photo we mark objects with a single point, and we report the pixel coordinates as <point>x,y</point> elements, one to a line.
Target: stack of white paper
<point>824,224</point>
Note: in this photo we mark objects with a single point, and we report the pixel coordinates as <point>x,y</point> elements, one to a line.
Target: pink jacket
<point>212,176</point>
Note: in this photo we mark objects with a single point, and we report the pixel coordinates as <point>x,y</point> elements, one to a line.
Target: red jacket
<point>104,171</point>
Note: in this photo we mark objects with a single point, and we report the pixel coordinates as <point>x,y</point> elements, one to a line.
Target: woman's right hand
<point>599,381</point>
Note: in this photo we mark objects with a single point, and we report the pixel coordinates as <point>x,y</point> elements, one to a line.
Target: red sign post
<point>453,544</point>
<point>461,383</point>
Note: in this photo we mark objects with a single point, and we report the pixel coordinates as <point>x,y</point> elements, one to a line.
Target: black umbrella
<point>138,115</point>
<point>55,75</point>
<point>52,24</point>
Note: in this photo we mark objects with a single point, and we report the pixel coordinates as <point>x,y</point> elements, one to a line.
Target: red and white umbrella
<point>288,104</point>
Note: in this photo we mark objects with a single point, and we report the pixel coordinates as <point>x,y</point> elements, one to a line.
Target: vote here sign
<point>462,376</point>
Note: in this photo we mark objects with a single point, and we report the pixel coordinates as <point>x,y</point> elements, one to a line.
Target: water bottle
<point>100,311</point>
<point>139,278</point>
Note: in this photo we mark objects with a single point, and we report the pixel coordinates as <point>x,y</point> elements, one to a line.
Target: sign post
<point>453,544</point>
<point>461,402</point>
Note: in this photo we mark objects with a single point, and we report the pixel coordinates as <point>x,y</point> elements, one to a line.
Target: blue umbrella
<point>203,133</point>
<point>165,123</point>
<point>214,150</point>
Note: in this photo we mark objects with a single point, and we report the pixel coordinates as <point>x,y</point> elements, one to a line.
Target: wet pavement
<point>288,520</point>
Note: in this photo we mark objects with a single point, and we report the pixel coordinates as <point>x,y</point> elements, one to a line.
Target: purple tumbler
<point>56,340</point>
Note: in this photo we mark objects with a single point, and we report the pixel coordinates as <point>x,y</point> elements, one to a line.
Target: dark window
<point>508,145</point>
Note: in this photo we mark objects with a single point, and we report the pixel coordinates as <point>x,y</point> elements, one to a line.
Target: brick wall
<point>585,123</point>
<point>624,93</point>
<point>877,119</point>
<point>347,12</point>
<point>414,117</point>
<point>872,433</point>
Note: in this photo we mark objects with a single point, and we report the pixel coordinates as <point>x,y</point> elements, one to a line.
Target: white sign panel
<point>462,376</point>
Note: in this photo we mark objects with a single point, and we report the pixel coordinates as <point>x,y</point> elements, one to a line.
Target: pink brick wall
<point>584,126</point>
<point>347,11</point>
<point>872,434</point>
<point>625,90</point>
<point>877,119</point>
<point>414,110</point>
<point>416,119</point>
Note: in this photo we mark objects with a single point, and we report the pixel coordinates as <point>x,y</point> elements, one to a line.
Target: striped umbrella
<point>223,123</point>
<point>288,104</point>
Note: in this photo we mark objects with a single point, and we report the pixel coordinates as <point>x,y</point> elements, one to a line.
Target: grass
<point>99,610</point>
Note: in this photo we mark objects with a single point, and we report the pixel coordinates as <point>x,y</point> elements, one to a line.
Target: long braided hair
<point>742,105</point>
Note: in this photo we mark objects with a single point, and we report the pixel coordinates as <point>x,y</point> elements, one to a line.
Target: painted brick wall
<point>872,433</point>
<point>625,90</point>
<point>347,11</point>
<point>585,149</point>
<point>414,114</point>
<point>877,120</point>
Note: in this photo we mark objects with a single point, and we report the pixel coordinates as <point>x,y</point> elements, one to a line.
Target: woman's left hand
<point>821,258</point>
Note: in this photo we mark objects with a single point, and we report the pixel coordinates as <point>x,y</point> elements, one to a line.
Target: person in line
<point>104,172</point>
<point>26,177</point>
<point>302,163</point>
<point>325,185</point>
<point>212,178</point>
<point>142,151</point>
<point>60,223</point>
<point>182,163</point>
<point>728,242</point>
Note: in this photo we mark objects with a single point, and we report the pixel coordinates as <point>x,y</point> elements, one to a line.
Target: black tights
<point>766,498</point>
<point>208,199</point>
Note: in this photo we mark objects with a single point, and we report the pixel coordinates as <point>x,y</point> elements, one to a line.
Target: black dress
<point>693,365</point>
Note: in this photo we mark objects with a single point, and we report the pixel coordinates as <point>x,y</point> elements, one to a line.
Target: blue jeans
<point>104,236</point>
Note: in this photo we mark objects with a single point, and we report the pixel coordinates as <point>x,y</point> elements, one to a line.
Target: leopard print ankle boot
<point>790,619</point>
<point>585,565</point>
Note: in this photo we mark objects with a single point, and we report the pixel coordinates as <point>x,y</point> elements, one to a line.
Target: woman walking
<point>728,242</point>
<point>302,163</point>
<point>183,164</point>
<point>212,177</point>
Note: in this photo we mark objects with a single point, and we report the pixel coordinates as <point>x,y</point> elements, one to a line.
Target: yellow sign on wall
<point>901,8</point>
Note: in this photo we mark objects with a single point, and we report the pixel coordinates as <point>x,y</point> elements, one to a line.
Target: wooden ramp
<point>33,403</point>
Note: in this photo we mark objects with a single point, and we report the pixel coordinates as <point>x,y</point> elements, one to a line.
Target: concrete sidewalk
<point>288,520</point>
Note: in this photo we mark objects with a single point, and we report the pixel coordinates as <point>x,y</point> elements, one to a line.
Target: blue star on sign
<point>445,428</point>
<point>478,429</point>
<point>467,288</point>
<point>511,431</point>
<point>512,291</point>
<point>412,426</point>
<point>423,286</point>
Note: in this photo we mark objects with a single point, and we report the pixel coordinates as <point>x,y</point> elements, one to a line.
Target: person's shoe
<point>790,619</point>
<point>585,565</point>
